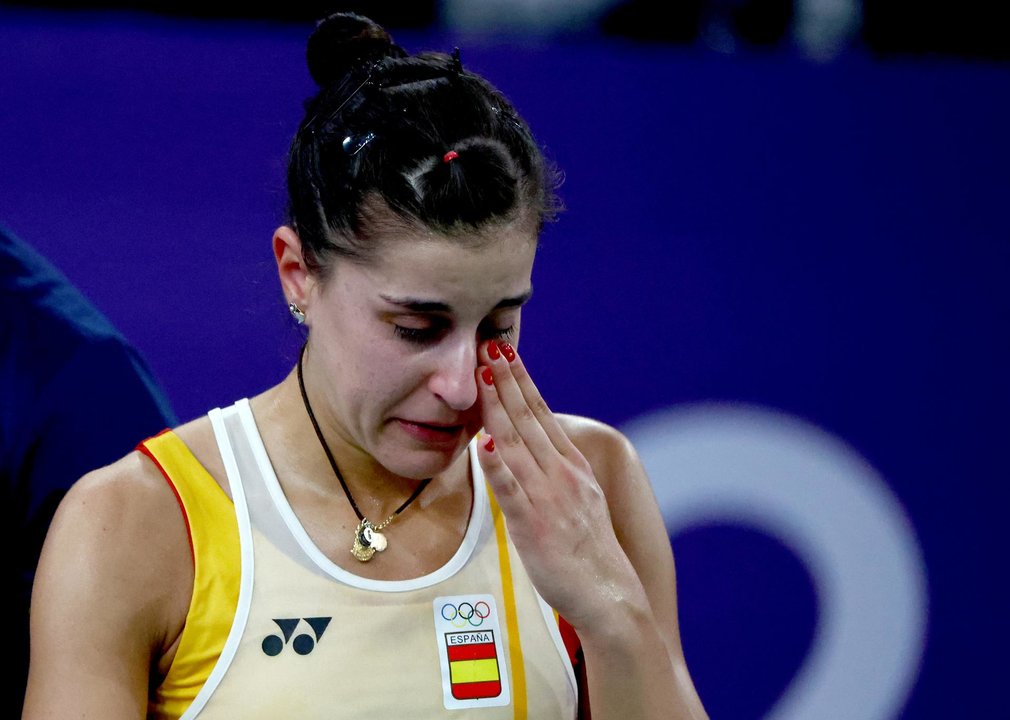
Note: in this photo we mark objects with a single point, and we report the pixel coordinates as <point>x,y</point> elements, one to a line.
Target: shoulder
<point>616,466</point>
<point>583,428</point>
<point>607,449</point>
<point>621,476</point>
<point>123,509</point>
<point>118,551</point>
<point>130,486</point>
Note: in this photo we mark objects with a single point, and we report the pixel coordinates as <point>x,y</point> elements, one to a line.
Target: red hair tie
<point>450,156</point>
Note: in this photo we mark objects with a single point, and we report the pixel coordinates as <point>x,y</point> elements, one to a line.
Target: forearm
<point>630,672</point>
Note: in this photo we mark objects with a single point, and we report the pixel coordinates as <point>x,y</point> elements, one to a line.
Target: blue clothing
<point>74,396</point>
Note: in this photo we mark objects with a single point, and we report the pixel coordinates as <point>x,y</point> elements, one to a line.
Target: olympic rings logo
<point>466,614</point>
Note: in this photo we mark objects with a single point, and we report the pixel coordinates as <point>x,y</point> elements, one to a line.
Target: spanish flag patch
<point>471,652</point>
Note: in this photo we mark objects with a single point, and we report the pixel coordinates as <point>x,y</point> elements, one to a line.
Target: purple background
<point>829,240</point>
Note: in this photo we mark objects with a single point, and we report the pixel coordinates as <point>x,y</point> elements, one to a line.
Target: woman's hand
<point>618,594</point>
<point>557,514</point>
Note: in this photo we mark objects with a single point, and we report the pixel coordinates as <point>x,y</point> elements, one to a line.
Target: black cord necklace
<point>368,539</point>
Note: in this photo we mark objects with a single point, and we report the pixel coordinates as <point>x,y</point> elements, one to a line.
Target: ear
<point>296,280</point>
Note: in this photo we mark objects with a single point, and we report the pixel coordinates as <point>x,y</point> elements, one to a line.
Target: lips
<point>430,431</point>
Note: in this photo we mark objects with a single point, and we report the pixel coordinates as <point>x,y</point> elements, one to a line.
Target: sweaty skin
<point>395,369</point>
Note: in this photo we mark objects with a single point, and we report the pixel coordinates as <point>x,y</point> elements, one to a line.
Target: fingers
<point>507,490</point>
<point>526,409</point>
<point>513,424</point>
<point>509,443</point>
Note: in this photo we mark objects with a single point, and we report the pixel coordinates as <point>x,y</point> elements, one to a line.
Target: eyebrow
<point>429,306</point>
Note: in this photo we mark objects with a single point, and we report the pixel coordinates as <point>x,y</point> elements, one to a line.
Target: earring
<point>296,313</point>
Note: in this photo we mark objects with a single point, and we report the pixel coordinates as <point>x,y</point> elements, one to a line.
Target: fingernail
<point>507,351</point>
<point>487,376</point>
<point>492,351</point>
<point>489,445</point>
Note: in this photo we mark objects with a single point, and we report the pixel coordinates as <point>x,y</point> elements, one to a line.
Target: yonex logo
<point>303,643</point>
<point>466,614</point>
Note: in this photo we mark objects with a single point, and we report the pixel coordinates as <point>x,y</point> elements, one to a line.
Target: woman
<point>400,528</point>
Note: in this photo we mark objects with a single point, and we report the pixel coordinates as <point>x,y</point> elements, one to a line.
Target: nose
<point>453,378</point>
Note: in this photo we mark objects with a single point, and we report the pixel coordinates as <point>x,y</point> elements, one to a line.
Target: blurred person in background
<point>74,396</point>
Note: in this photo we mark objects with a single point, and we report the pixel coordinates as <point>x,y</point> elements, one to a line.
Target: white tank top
<point>311,640</point>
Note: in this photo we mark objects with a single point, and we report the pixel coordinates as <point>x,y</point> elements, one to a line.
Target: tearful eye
<point>419,336</point>
<point>432,333</point>
<point>496,333</point>
<point>495,328</point>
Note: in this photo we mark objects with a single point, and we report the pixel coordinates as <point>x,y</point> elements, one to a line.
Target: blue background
<point>825,239</point>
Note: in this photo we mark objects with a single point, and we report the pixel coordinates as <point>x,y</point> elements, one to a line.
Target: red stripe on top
<point>480,651</point>
<point>142,447</point>
<point>472,691</point>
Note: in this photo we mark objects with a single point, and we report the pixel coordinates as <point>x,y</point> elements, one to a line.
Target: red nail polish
<point>489,445</point>
<point>492,351</point>
<point>487,376</point>
<point>507,351</point>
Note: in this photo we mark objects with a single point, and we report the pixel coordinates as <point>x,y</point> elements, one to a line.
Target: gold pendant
<point>367,541</point>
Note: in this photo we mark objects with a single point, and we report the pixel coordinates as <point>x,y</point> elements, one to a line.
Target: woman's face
<point>393,343</point>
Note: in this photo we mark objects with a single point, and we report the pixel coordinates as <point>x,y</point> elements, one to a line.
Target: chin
<point>421,464</point>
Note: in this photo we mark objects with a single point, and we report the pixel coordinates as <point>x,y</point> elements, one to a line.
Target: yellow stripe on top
<point>210,516</point>
<point>511,618</point>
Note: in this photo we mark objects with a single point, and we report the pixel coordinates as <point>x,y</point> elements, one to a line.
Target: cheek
<point>358,365</point>
<point>358,346</point>
<point>384,372</point>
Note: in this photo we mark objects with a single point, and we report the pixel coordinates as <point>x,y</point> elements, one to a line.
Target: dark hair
<point>378,132</point>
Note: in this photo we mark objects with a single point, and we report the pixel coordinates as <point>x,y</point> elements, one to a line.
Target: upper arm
<point>640,530</point>
<point>114,576</point>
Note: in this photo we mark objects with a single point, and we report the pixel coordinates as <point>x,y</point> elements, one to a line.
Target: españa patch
<point>471,652</point>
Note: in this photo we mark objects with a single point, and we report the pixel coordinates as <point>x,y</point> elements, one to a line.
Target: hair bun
<point>343,40</point>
